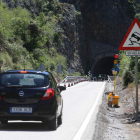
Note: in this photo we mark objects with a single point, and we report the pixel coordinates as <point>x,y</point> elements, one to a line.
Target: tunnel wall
<point>100,50</point>
<point>98,57</point>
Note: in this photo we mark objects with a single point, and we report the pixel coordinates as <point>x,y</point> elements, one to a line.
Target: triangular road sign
<point>131,40</point>
<point>41,67</point>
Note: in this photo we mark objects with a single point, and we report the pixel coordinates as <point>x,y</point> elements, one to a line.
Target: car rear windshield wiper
<point>13,86</point>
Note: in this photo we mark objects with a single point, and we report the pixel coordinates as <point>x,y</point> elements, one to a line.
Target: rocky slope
<point>105,23</point>
<point>89,26</point>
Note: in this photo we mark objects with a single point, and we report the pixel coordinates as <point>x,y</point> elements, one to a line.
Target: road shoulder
<point>111,122</point>
<point>88,134</point>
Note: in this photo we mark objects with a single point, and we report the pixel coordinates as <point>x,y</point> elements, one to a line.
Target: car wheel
<point>4,121</point>
<point>59,119</point>
<point>53,124</point>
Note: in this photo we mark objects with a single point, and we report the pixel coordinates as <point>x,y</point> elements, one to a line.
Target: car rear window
<point>24,79</point>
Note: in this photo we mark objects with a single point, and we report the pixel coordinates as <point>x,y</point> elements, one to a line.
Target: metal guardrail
<point>111,78</point>
<point>72,78</point>
<point>82,78</point>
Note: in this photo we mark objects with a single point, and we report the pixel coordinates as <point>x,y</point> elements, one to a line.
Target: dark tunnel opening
<point>103,66</point>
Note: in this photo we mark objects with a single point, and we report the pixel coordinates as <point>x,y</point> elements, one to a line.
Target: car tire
<point>53,124</point>
<point>59,119</point>
<point>4,121</point>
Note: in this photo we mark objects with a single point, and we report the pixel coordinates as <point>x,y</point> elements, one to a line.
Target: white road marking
<point>87,119</point>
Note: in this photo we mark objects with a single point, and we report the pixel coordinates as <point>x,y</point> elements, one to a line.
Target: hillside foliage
<point>27,40</point>
<point>127,63</point>
<point>127,68</point>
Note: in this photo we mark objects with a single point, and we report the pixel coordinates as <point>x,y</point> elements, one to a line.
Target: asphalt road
<point>78,101</point>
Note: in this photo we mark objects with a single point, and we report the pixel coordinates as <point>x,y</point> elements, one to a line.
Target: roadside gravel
<point>117,123</point>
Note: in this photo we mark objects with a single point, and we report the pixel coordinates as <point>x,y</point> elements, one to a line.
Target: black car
<point>30,95</point>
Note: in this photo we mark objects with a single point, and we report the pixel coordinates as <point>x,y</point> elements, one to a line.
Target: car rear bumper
<point>27,118</point>
<point>39,113</point>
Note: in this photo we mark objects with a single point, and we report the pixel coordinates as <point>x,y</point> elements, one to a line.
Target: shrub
<point>46,6</point>
<point>127,64</point>
<point>5,61</point>
<point>57,37</point>
<point>5,21</point>
<point>138,16</point>
<point>36,39</point>
<point>127,78</point>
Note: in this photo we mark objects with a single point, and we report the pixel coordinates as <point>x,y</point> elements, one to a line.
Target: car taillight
<point>0,98</point>
<point>48,94</point>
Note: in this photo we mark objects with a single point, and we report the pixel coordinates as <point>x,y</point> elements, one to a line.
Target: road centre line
<point>82,129</point>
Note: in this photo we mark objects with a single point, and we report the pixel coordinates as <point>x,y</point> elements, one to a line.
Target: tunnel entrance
<point>103,66</point>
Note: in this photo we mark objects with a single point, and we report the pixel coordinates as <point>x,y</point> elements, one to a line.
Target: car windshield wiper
<point>10,86</point>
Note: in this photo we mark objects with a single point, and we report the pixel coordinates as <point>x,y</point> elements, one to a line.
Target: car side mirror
<point>61,88</point>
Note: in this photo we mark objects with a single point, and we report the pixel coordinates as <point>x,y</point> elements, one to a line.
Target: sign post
<point>131,41</point>
<point>114,73</point>
<point>115,69</point>
<point>70,70</point>
<point>136,54</point>
<point>59,69</point>
<point>41,67</point>
<point>136,73</point>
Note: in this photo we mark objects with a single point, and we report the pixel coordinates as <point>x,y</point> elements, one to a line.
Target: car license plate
<point>20,110</point>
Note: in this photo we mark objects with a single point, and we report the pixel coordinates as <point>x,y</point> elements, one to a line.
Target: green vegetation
<point>77,13</point>
<point>27,40</point>
<point>135,4</point>
<point>127,63</point>
<point>48,7</point>
<point>127,68</point>
<point>138,16</point>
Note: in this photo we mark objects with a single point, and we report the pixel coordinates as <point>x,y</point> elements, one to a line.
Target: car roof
<point>30,71</point>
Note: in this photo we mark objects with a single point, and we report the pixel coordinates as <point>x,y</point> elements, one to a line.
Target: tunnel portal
<point>103,66</point>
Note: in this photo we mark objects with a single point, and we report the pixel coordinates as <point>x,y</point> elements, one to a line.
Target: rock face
<point>73,36</point>
<point>105,24</point>
<point>94,34</point>
<point>28,4</point>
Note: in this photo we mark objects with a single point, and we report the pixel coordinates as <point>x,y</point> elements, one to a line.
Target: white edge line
<point>88,117</point>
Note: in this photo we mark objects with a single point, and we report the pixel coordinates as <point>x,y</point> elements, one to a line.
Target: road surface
<point>78,100</point>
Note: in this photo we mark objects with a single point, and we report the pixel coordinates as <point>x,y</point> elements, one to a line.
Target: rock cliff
<point>91,27</point>
<point>105,23</point>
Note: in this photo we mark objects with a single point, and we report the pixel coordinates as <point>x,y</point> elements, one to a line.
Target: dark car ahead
<point>30,95</point>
